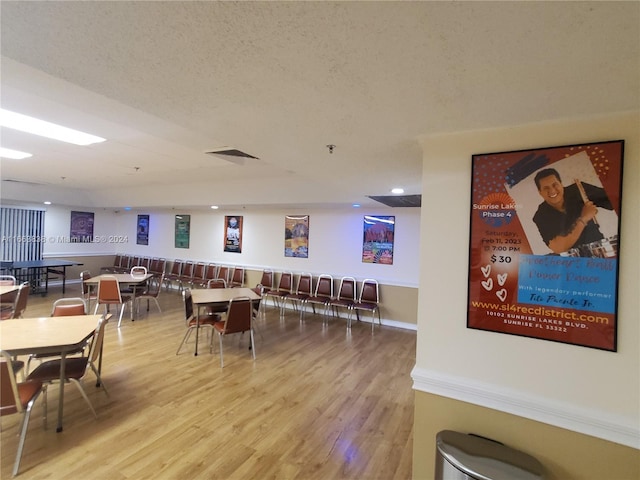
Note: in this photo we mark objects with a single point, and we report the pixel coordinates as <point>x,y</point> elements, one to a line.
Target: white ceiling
<point>165,82</point>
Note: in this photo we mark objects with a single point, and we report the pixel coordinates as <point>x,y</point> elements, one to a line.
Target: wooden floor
<point>318,403</point>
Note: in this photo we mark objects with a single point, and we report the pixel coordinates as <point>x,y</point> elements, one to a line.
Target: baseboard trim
<point>613,428</point>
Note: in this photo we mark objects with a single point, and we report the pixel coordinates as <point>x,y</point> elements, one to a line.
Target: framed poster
<point>183,231</point>
<point>233,234</point>
<point>296,236</point>
<point>543,249</point>
<point>377,241</point>
<point>81,227</point>
<point>142,231</point>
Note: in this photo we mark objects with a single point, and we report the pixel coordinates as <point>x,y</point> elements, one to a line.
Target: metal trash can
<point>461,456</point>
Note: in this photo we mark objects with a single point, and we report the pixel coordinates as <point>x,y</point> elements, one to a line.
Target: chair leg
<point>121,312</point>
<point>99,378</point>
<point>184,339</point>
<point>23,435</point>
<point>221,356</point>
<point>253,344</point>
<point>84,395</point>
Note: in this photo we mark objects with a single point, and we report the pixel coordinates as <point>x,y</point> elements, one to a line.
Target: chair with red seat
<point>109,294</point>
<point>17,397</point>
<point>345,299</point>
<point>285,288</point>
<point>369,301</point>
<point>193,321</point>
<point>239,319</point>
<point>322,295</point>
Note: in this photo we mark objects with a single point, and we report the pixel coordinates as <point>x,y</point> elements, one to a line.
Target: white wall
<point>335,240</point>
<point>582,389</point>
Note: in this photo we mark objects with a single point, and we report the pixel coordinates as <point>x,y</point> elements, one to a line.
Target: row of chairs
<point>304,295</point>
<point>123,263</point>
<point>197,274</point>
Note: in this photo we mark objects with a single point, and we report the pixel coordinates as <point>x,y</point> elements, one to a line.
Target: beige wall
<point>519,390</point>
<point>565,454</point>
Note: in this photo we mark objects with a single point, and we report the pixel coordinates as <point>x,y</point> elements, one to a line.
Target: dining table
<point>50,336</point>
<point>203,297</point>
<point>124,280</point>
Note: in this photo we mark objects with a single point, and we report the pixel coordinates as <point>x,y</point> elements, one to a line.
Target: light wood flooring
<point>318,403</point>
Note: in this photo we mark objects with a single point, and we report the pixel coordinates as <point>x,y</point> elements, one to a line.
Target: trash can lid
<point>487,459</point>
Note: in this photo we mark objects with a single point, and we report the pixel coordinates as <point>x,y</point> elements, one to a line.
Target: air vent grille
<point>232,152</point>
<point>398,200</point>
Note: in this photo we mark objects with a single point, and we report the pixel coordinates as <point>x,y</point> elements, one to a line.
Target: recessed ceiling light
<point>14,154</point>
<point>397,190</point>
<point>47,202</point>
<point>215,207</point>
<point>356,205</point>
<point>127,208</point>
<point>35,126</point>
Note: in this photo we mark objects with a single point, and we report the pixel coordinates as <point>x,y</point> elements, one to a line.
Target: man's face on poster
<point>552,191</point>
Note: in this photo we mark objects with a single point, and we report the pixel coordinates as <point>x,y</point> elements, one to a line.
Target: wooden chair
<point>75,368</point>
<point>17,398</point>
<point>369,301</point>
<point>239,319</point>
<point>109,294</point>
<point>193,322</point>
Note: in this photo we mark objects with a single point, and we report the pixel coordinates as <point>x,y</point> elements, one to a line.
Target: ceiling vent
<point>238,155</point>
<point>398,200</point>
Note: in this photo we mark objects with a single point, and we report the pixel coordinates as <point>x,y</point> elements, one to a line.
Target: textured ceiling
<point>166,82</point>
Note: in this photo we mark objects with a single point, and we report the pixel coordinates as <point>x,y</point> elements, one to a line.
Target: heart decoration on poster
<point>502,294</point>
<point>487,284</point>
<point>486,270</point>
<point>502,278</point>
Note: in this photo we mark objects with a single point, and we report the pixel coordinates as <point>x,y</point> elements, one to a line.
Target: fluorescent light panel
<point>15,154</point>
<point>35,126</point>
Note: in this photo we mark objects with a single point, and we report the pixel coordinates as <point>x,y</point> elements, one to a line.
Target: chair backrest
<point>223,273</point>
<point>267,279</point>
<point>155,287</point>
<point>85,275</point>
<point>285,284</point>
<point>8,280</point>
<point>98,338</point>
<point>347,290</point>
<point>176,268</point>
<point>212,270</point>
<point>216,283</point>
<point>66,307</point>
<point>117,259</point>
<point>145,262</point>
<point>9,396</point>
<point>134,261</point>
<point>187,269</point>
<point>369,291</point>
<point>237,279</point>
<point>239,315</point>
<point>20,304</point>
<point>138,270</point>
<point>199,270</point>
<point>188,304</point>
<point>109,289</point>
<point>161,265</point>
<point>304,284</point>
<point>324,287</point>
<point>126,262</point>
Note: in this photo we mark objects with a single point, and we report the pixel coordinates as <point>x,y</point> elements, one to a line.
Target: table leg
<point>197,328</point>
<point>61,397</point>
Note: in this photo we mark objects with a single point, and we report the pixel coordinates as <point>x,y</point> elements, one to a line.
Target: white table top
<point>21,336</point>
<point>8,288</point>
<point>202,296</point>
<point>121,277</point>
